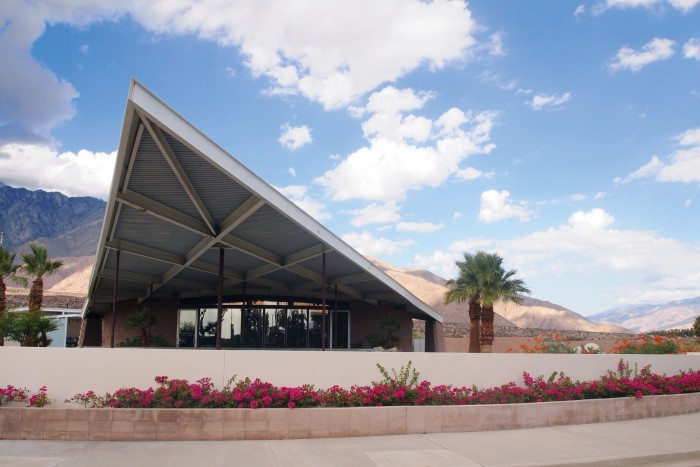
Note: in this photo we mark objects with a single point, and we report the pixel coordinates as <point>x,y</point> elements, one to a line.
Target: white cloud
<point>691,49</point>
<point>577,197</point>
<point>298,194</point>
<point>494,45</point>
<point>328,52</point>
<point>496,206</point>
<point>581,9</point>
<point>292,171</point>
<point>418,227</point>
<point>650,168</point>
<point>654,268</point>
<point>600,195</point>
<point>377,247</point>
<point>83,174</point>
<point>406,152</point>
<point>456,215</point>
<point>683,165</point>
<point>375,213</point>
<point>630,59</point>
<point>542,101</point>
<point>688,202</point>
<point>84,49</point>
<point>470,173</point>
<point>332,53</point>
<point>684,5</point>
<point>295,137</point>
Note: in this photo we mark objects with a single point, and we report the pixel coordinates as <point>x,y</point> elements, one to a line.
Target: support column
<point>434,336</point>
<point>323,303</point>
<point>114,300</point>
<point>335,318</point>
<point>150,314</point>
<point>220,302</point>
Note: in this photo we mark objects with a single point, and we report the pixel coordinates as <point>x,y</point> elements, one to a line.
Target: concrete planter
<point>235,424</point>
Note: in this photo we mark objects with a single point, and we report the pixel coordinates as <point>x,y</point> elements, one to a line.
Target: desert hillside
<point>532,313</point>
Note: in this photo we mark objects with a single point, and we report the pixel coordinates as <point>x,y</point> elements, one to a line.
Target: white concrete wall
<point>66,372</point>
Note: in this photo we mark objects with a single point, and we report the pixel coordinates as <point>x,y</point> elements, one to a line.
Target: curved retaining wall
<point>235,424</point>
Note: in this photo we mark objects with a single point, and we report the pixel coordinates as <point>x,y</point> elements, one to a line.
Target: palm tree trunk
<point>474,325</point>
<point>36,294</point>
<point>487,328</point>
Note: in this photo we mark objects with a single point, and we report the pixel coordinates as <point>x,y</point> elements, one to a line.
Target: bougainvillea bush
<point>13,394</point>
<point>402,388</point>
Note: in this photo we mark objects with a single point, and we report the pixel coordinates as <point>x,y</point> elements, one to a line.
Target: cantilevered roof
<point>177,198</point>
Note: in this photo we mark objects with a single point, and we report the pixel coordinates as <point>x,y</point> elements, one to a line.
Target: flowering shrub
<point>13,394</point>
<point>645,344</point>
<point>548,342</point>
<point>40,399</point>
<point>401,389</point>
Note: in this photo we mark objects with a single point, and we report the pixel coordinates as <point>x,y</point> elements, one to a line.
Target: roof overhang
<point>177,198</point>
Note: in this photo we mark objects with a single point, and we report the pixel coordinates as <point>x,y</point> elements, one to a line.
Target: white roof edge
<point>168,118</point>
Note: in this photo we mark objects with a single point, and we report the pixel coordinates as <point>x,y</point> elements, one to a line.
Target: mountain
<point>68,222</point>
<point>533,313</point>
<point>678,314</point>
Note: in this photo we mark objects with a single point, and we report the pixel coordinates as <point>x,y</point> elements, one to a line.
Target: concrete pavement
<point>668,441</point>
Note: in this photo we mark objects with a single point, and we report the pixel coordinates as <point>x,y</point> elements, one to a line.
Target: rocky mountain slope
<point>644,318</point>
<point>39,215</point>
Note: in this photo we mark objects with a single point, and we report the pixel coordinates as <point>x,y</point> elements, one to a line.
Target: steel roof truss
<point>179,172</point>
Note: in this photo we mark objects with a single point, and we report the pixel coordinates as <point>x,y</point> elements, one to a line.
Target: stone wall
<point>236,424</point>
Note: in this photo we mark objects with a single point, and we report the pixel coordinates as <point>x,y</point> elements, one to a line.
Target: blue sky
<point>563,135</point>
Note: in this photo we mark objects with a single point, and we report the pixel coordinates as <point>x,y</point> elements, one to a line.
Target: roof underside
<point>177,199</point>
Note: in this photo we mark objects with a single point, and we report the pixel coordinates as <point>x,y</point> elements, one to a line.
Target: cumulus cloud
<point>83,174</point>
<point>630,59</point>
<point>375,213</point>
<point>377,247</point>
<point>653,268</point>
<point>496,206</point>
<point>295,137</point>
<point>299,195</point>
<point>406,152</point>
<point>548,101</point>
<point>683,164</point>
<point>691,49</point>
<point>331,53</point>
<point>418,227</point>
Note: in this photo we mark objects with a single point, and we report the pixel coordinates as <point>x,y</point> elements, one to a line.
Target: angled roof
<point>177,197</point>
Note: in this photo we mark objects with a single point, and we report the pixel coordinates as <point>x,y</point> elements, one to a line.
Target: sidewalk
<point>672,441</point>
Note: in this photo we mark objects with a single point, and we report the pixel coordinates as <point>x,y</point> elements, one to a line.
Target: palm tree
<point>7,270</point>
<point>495,283</point>
<point>465,288</point>
<point>38,265</point>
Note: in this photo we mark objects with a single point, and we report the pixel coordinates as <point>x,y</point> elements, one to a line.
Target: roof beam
<point>233,220</point>
<point>351,278</point>
<point>145,251</point>
<point>163,212</point>
<point>130,276</point>
<point>179,172</point>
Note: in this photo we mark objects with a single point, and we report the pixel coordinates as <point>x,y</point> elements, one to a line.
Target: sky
<point>562,135</point>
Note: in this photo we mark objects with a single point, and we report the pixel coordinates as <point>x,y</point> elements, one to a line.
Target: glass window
<point>187,328</point>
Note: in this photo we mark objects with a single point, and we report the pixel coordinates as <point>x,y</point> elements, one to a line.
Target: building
<point>219,258</point>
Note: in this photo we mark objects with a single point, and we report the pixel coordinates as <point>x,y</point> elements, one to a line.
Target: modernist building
<point>219,258</point>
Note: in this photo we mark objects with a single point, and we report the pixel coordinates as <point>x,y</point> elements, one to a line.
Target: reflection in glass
<point>263,325</point>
